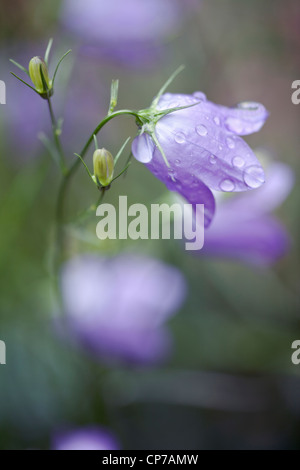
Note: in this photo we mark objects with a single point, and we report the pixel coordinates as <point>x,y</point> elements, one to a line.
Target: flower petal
<point>122,304</point>
<point>246,118</point>
<point>279,183</point>
<point>195,138</point>
<point>92,438</point>
<point>189,186</point>
<point>143,148</point>
<point>261,241</point>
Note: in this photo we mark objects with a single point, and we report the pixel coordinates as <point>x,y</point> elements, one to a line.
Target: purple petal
<point>117,307</point>
<point>143,148</point>
<point>116,21</point>
<point>93,438</point>
<point>194,138</point>
<point>246,118</point>
<point>261,241</point>
<point>279,183</point>
<point>243,229</point>
<point>189,186</point>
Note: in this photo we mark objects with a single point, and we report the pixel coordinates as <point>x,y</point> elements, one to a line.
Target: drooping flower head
<point>91,438</point>
<point>199,148</point>
<point>117,308</point>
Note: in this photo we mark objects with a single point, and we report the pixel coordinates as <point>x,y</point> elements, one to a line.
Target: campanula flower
<point>244,227</point>
<point>91,438</point>
<point>199,149</point>
<point>117,308</point>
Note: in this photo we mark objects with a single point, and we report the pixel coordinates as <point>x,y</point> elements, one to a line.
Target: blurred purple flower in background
<point>128,31</point>
<point>118,307</point>
<point>92,438</point>
<point>203,148</point>
<point>244,227</point>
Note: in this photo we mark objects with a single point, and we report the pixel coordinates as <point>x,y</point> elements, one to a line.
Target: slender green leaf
<point>57,67</point>
<point>121,150</point>
<point>85,166</point>
<point>24,82</point>
<point>48,50</point>
<point>19,66</point>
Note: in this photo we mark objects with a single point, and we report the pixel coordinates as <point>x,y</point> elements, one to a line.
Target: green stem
<point>56,137</point>
<point>67,177</point>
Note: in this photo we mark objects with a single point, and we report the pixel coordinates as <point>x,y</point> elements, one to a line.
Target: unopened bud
<point>37,68</point>
<point>104,166</point>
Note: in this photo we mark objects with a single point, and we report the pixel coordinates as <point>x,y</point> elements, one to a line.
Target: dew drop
<point>227,185</point>
<point>200,96</point>
<point>177,162</point>
<point>248,106</point>
<point>212,160</point>
<point>238,162</point>
<point>254,176</point>
<point>180,138</point>
<point>217,121</point>
<point>230,143</point>
<point>202,131</point>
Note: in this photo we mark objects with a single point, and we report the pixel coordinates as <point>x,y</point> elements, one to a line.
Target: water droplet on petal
<point>200,96</point>
<point>180,138</point>
<point>230,143</point>
<point>217,121</point>
<point>227,185</point>
<point>177,162</point>
<point>220,147</point>
<point>238,162</point>
<point>202,130</point>
<point>249,105</point>
<point>212,160</point>
<point>254,176</point>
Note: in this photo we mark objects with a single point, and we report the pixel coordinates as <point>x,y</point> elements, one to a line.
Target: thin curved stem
<point>67,176</point>
<point>56,137</point>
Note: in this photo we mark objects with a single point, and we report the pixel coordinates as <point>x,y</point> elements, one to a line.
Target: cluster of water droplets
<point>253,176</point>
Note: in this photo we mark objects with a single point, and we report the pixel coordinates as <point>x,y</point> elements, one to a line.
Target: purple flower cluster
<point>117,307</point>
<point>203,147</point>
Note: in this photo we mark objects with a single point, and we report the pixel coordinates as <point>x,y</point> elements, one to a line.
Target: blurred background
<point>228,382</point>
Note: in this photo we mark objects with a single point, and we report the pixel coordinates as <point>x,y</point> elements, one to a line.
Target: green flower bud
<point>104,166</point>
<point>37,67</point>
